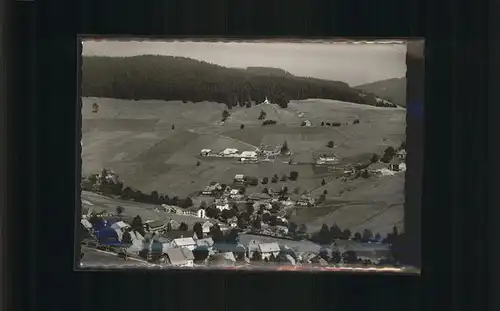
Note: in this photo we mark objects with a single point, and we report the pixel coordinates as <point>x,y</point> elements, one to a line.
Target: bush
<point>262,115</point>
<point>265,180</point>
<point>183,227</point>
<point>120,210</point>
<point>294,175</point>
<point>389,153</point>
<point>355,121</point>
<point>322,123</point>
<point>330,144</point>
<point>269,122</point>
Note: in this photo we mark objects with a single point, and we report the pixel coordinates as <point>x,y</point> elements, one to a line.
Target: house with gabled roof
<point>180,257</point>
<point>184,242</point>
<point>268,249</point>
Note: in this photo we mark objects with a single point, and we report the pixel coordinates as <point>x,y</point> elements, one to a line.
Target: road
<point>98,258</point>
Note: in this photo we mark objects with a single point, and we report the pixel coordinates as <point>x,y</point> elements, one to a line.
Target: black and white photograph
<point>242,154</point>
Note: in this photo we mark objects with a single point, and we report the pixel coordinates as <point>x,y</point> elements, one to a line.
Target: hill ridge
<point>189,80</point>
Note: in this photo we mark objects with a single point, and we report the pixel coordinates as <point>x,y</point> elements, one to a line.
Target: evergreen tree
<point>198,229</point>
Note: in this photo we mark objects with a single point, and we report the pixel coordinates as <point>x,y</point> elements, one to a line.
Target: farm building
<point>268,249</point>
<point>205,152</point>
<point>239,178</point>
<point>222,207</point>
<point>397,165</point>
<point>180,257</point>
<point>184,242</point>
<point>401,154</point>
<point>326,160</point>
<point>305,201</point>
<point>248,154</point>
<point>201,213</point>
<point>229,152</point>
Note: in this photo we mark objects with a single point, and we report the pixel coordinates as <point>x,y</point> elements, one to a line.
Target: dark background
<point>457,191</point>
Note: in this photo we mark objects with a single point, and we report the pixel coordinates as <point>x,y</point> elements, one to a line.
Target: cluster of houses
<point>225,194</point>
<point>230,153</point>
<point>397,164</point>
<point>176,210</point>
<point>328,160</point>
<point>261,153</point>
<point>186,249</point>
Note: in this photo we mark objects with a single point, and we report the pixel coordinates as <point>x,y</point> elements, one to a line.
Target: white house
<point>222,207</point>
<point>180,257</point>
<point>206,226</point>
<point>402,167</point>
<point>201,213</point>
<point>248,154</point>
<point>137,244</point>
<point>229,152</point>
<point>205,152</point>
<point>307,123</point>
<point>184,242</point>
<point>266,102</point>
<point>229,256</point>
<point>239,178</point>
<point>207,242</point>
<point>268,249</point>
<point>326,160</point>
<point>174,224</point>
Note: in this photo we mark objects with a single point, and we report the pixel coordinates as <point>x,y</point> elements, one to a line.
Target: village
<point>233,225</point>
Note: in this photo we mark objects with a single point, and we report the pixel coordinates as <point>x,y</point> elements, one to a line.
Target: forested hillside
<point>393,90</point>
<point>189,80</point>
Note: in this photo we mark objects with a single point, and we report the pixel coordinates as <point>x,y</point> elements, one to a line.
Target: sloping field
<point>136,140</point>
<point>131,209</point>
<point>378,217</point>
<point>376,204</point>
<point>249,116</point>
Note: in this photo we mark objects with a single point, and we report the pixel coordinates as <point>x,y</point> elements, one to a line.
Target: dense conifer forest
<point>189,80</point>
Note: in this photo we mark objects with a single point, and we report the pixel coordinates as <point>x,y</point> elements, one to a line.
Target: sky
<point>354,64</point>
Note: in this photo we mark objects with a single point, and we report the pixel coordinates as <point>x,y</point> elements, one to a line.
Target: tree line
<point>189,80</point>
<point>99,183</point>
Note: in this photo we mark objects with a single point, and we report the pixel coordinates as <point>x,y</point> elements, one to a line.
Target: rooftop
<point>176,256</point>
<point>184,241</point>
<point>269,247</point>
